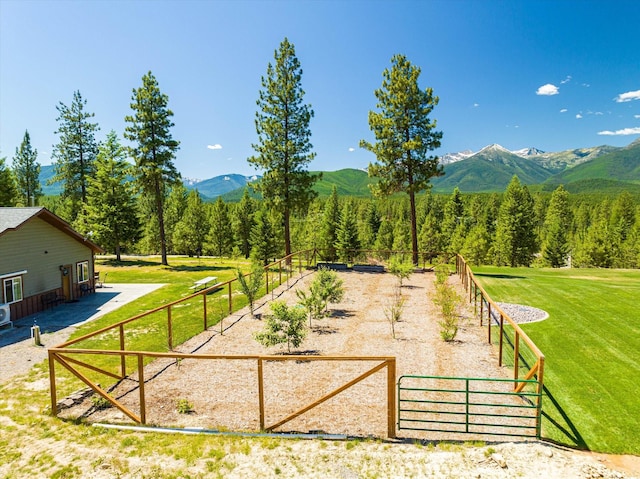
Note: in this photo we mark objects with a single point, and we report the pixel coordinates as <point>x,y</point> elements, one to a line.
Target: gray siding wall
<point>41,248</point>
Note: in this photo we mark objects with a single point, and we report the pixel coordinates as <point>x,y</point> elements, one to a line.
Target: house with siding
<point>43,261</point>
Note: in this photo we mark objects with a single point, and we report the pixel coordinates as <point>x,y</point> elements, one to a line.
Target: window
<point>13,289</point>
<point>82,271</point>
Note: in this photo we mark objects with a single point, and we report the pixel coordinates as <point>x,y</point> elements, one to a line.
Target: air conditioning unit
<point>5,315</point>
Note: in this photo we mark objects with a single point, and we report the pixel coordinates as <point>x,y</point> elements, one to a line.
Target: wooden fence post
<point>143,408</point>
<point>169,329</point>
<point>261,393</point>
<point>204,309</point>
<point>123,359</point>
<point>52,384</point>
<point>391,398</point>
<point>501,335</point>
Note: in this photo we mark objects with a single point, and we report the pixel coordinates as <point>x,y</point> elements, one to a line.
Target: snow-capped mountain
<point>463,155</point>
<point>453,157</point>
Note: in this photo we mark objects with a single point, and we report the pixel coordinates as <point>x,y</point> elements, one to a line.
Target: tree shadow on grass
<point>560,421</point>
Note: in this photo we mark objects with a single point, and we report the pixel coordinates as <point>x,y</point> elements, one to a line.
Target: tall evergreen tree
<point>557,224</point>
<point>8,189</point>
<point>284,146</point>
<point>515,242</point>
<point>27,172</point>
<point>190,232</point>
<point>329,228</point>
<point>174,209</point>
<point>347,242</point>
<point>263,240</point>
<point>154,148</point>
<point>75,152</point>
<point>220,233</point>
<point>243,223</point>
<point>110,213</point>
<point>453,217</point>
<point>404,137</point>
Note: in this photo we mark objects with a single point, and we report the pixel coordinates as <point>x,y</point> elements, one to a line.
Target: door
<point>67,281</point>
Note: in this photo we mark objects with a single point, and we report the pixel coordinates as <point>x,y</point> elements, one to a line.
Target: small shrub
<point>400,269</point>
<point>183,406</point>
<point>98,402</point>
<point>393,312</point>
<point>448,300</point>
<point>285,325</point>
<point>250,287</point>
<point>329,287</point>
<point>442,272</point>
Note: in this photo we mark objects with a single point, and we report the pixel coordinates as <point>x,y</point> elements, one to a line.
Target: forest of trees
<point>131,199</point>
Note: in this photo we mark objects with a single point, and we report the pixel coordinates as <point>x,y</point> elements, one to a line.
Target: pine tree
<point>8,189</point>
<point>347,242</point>
<point>557,224</point>
<point>284,147</point>
<point>243,223</point>
<point>110,214</point>
<point>476,245</point>
<point>328,230</point>
<point>384,238</point>
<point>515,242</point>
<point>404,136</point>
<point>190,232</point>
<point>76,151</point>
<point>27,172</point>
<point>264,245</point>
<point>453,216</point>
<point>174,208</point>
<point>154,150</point>
<point>220,237</point>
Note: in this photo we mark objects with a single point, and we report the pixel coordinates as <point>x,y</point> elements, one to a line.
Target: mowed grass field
<point>591,343</point>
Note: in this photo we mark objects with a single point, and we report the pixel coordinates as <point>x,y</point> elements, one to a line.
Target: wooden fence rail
<point>480,297</point>
<point>64,357</point>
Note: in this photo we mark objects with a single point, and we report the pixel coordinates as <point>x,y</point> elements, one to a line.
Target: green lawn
<point>591,342</point>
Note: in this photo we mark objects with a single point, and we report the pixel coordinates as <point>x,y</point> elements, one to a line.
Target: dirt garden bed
<point>224,393</point>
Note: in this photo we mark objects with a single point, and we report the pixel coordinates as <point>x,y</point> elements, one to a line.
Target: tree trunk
<point>160,213</point>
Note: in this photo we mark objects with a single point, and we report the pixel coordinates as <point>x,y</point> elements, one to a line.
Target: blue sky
<point>555,75</point>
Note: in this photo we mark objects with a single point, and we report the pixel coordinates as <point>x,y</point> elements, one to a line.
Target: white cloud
<point>217,146</point>
<point>636,116</point>
<point>564,110</point>
<point>586,85</point>
<point>547,90</point>
<point>624,131</point>
<point>578,116</point>
<point>352,149</point>
<point>476,105</point>
<point>628,96</point>
<point>566,80</point>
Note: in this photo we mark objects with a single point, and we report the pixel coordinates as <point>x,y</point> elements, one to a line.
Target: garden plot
<point>223,394</point>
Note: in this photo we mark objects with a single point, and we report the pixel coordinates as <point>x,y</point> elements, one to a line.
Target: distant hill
<point>46,173</point>
<point>621,164</point>
<point>491,169</point>
<point>348,182</point>
<point>601,168</point>
<point>219,185</point>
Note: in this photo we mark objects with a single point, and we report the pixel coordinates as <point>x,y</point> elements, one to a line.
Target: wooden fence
<point>512,342</point>
<point>65,357</point>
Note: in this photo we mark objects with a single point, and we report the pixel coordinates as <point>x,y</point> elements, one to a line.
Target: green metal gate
<point>481,406</point>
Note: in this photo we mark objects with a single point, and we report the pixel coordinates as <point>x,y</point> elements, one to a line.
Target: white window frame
<point>82,271</point>
<point>13,282</point>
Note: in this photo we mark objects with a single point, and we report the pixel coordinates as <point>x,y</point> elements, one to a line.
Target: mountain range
<point>488,170</point>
